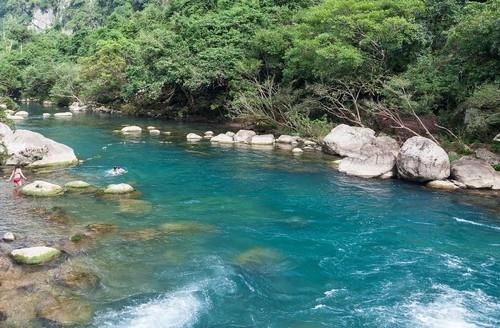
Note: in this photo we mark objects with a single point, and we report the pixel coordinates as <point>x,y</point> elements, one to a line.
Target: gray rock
<point>286,139</point>
<point>488,156</point>
<point>8,236</point>
<point>265,139</point>
<point>346,140</point>
<point>474,173</point>
<point>374,166</point>
<point>222,139</point>
<point>244,136</point>
<point>31,148</point>
<point>421,159</point>
<point>442,185</point>
<point>192,137</point>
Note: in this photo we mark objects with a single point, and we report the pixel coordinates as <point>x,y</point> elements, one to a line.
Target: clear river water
<point>242,237</point>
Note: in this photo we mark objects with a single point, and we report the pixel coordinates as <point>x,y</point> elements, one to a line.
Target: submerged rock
<point>30,148</point>
<point>421,159</point>
<point>77,279</point>
<point>142,234</point>
<point>101,228</point>
<point>474,173</point>
<point>135,206</point>
<point>34,255</point>
<point>185,227</point>
<point>121,188</point>
<point>42,189</point>
<point>77,184</point>
<point>64,310</point>
<point>265,139</point>
<point>259,259</point>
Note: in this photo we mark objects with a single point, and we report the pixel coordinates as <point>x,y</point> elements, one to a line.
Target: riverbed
<point>232,236</point>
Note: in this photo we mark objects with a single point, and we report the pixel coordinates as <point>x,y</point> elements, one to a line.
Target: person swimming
<point>117,170</point>
<point>17,176</point>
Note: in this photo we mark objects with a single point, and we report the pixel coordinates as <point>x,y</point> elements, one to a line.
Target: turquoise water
<point>269,239</point>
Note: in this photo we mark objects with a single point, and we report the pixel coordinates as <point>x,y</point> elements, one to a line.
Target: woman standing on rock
<point>17,176</point>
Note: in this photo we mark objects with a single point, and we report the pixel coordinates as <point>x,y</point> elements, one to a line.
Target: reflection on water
<point>244,237</point>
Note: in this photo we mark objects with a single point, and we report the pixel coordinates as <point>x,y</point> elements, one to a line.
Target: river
<point>242,237</point>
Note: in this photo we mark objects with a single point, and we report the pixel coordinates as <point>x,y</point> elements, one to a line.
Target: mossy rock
<point>77,185</point>
<point>118,189</point>
<point>77,279</point>
<point>34,255</point>
<point>259,259</point>
<point>64,310</point>
<point>142,234</point>
<point>42,189</point>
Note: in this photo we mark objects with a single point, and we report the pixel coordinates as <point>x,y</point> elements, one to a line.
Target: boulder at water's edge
<point>34,255</point>
<point>421,159</point>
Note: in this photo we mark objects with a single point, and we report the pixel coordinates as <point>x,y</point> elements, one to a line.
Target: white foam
<point>476,223</point>
<point>454,309</point>
<point>177,310</point>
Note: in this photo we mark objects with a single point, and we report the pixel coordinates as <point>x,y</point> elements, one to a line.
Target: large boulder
<point>421,159</point>
<point>22,113</point>
<point>33,149</point>
<point>474,173</point>
<point>346,140</point>
<point>375,166</point>
<point>222,139</point>
<point>42,189</point>
<point>265,139</point>
<point>121,188</point>
<point>34,255</point>
<point>5,130</point>
<point>244,136</point>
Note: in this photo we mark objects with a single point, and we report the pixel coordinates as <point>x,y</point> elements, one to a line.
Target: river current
<point>243,237</point>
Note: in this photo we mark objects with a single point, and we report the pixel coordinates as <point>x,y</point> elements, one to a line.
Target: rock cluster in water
<point>418,159</point>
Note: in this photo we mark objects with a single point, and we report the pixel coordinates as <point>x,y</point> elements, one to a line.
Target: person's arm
<point>22,175</point>
<point>12,175</point>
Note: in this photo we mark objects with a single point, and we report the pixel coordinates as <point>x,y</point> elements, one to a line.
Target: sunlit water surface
<point>272,240</point>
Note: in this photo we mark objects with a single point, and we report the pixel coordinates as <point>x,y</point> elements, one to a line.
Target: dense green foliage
<point>353,60</point>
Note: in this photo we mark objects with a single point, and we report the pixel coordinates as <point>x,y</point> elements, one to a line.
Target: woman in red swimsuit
<point>17,176</point>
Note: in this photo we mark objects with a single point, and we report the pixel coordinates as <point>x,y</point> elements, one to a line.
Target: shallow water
<point>255,238</point>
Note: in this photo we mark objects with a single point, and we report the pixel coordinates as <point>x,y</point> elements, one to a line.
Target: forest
<point>405,66</point>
